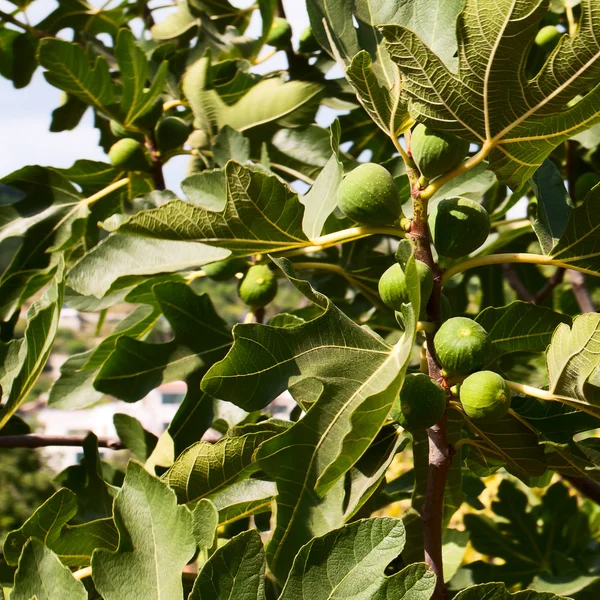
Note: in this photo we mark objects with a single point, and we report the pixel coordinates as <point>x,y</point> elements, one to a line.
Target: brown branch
<point>156,169</point>
<point>516,284</point>
<point>33,440</point>
<point>580,291</point>
<point>146,14</point>
<point>295,63</point>
<point>548,288</point>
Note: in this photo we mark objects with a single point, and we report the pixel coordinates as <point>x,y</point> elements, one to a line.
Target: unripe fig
<point>436,153</point>
<point>584,184</point>
<point>485,396</point>
<point>128,155</point>
<point>308,42</point>
<point>258,287</point>
<point>547,37</point>
<point>393,290</point>
<point>280,33</point>
<point>421,403</point>
<point>458,226</point>
<point>120,132</point>
<point>171,133</point>
<point>369,195</point>
<point>462,345</point>
<point>225,269</point>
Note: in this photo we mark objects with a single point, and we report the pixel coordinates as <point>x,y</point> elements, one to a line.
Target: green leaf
<point>360,376</point>
<point>572,359</point>
<point>175,24</point>
<point>520,326</point>
<point>235,570</point>
<point>497,591</point>
<point>554,206</point>
<point>155,542</point>
<point>322,198</point>
<point>261,215</point>
<point>124,256</point>
<point>508,443</point>
<point>75,386</point>
<point>205,520</point>
<point>248,497</point>
<point>206,469</point>
<point>136,439</point>
<point>231,145</point>
<point>472,184</point>
<point>68,115</point>
<point>26,358</point>
<point>578,248</point>
<point>201,338</point>
<point>41,576</point>
<point>489,99</point>
<point>69,68</point>
<point>133,65</point>
<point>73,544</point>
<point>350,563</point>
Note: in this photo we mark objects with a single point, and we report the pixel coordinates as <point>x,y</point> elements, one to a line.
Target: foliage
<point>274,203</point>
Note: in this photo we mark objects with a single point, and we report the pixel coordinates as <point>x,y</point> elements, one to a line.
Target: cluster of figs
<point>458,226</point>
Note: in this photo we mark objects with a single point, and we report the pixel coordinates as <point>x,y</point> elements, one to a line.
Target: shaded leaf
<point>41,576</point>
<point>248,497</point>
<point>498,591</point>
<point>135,438</point>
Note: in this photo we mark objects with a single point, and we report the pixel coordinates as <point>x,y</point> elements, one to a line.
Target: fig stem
<point>107,190</point>
<point>516,257</point>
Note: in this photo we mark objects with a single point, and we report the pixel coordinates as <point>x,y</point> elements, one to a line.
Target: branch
<point>580,291</point>
<point>548,288</point>
<point>33,440</point>
<point>516,284</point>
<point>156,169</point>
<point>40,33</point>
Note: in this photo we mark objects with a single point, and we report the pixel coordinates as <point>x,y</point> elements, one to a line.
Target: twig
<point>40,33</point>
<point>548,288</point>
<point>516,284</point>
<point>146,14</point>
<point>156,169</point>
<point>580,291</point>
<point>34,440</point>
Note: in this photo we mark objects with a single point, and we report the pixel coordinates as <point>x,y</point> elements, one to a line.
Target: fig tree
<point>462,345</point>
<point>171,133</point>
<point>436,153</point>
<point>258,287</point>
<point>458,226</point>
<point>225,269</point>
<point>392,285</point>
<point>128,155</point>
<point>369,195</point>
<point>421,403</point>
<point>120,132</point>
<point>485,396</point>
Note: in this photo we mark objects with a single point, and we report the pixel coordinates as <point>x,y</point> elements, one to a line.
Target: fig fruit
<point>308,42</point>
<point>280,34</point>
<point>458,226</point>
<point>392,285</point>
<point>436,153</point>
<point>128,155</point>
<point>547,37</point>
<point>223,270</point>
<point>462,345</point>
<point>421,403</point>
<point>258,287</point>
<point>369,195</point>
<point>485,396</point>
<point>171,133</point>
